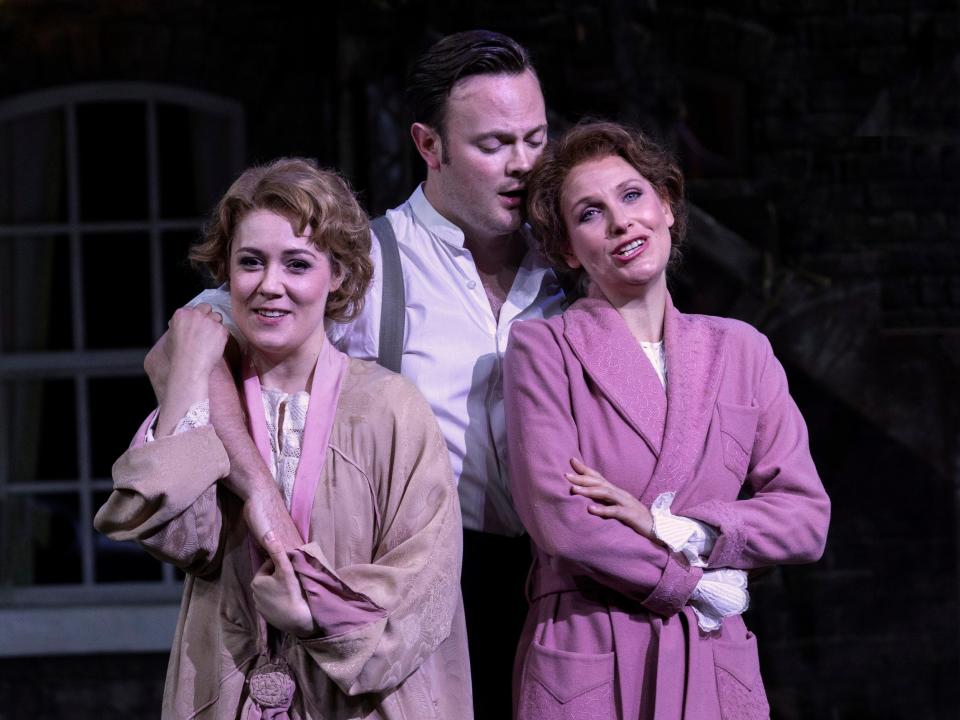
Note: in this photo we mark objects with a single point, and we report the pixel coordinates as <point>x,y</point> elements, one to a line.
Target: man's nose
<point>521,160</point>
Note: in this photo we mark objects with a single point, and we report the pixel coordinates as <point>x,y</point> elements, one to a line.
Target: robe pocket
<point>739,685</point>
<point>738,428</point>
<point>561,685</point>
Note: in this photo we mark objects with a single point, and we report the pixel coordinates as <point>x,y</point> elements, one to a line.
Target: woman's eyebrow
<point>597,198</point>
<point>586,200</point>
<point>299,251</point>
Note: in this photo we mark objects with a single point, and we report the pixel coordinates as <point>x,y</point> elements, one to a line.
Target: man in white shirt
<point>469,271</point>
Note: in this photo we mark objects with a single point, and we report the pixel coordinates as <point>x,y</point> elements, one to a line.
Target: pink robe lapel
<point>693,349</point>
<point>324,393</point>
<point>673,424</point>
<point>618,366</point>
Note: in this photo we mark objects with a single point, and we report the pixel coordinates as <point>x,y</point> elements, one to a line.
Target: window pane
<point>117,408</point>
<point>33,177</point>
<point>116,283</point>
<point>40,539</point>
<point>121,561</point>
<point>38,430</point>
<point>195,160</point>
<point>112,142</point>
<point>36,310</point>
<point>181,281</point>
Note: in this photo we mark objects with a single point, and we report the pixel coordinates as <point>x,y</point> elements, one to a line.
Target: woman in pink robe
<point>635,431</point>
<point>321,540</point>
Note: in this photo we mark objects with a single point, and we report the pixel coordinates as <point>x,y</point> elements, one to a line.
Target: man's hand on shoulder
<point>157,366</point>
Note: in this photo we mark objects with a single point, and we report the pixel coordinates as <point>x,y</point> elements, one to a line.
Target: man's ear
<point>428,144</point>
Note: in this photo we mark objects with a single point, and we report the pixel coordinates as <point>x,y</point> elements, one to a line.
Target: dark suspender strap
<point>393,304</point>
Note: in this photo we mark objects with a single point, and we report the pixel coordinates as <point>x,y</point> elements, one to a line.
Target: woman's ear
<point>338,275</point>
<point>667,211</point>
<point>571,260</point>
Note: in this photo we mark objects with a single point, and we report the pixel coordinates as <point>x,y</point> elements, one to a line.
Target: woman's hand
<point>612,502</point>
<point>277,593</point>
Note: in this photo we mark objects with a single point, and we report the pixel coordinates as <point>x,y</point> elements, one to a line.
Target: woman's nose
<point>618,222</point>
<point>271,282</point>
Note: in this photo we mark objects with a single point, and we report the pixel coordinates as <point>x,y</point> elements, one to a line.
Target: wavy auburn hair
<point>593,140</point>
<point>308,197</point>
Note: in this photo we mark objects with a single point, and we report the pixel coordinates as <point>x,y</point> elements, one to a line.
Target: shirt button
<point>471,284</point>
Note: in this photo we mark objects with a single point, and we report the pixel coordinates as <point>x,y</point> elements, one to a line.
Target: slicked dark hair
<point>453,58</point>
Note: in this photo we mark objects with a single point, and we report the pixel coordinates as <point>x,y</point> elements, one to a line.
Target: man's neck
<point>497,263</point>
<point>495,254</point>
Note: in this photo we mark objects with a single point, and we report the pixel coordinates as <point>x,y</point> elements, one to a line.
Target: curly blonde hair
<point>307,196</point>
<point>593,140</point>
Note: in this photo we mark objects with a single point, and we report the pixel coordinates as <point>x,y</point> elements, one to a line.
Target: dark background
<point>820,142</point>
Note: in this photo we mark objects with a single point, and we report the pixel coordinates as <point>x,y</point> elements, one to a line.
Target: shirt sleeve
<point>719,594</point>
<point>692,538</point>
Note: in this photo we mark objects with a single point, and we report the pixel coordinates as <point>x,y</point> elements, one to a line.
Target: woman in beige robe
<point>362,619</point>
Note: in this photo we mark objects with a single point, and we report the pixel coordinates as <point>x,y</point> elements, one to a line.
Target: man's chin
<point>511,221</point>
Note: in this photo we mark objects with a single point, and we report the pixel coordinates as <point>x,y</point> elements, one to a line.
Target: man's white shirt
<point>453,348</point>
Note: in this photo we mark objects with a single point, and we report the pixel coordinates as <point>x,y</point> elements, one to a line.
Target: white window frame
<point>91,617</point>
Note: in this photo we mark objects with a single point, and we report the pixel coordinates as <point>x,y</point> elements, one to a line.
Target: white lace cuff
<point>198,415</point>
<point>692,538</point>
<point>719,594</point>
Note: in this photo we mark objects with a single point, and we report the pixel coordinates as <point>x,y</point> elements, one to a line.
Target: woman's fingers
<point>589,481</point>
<point>585,480</point>
<point>610,501</point>
<point>610,512</point>
<point>597,492</point>
<point>583,469</point>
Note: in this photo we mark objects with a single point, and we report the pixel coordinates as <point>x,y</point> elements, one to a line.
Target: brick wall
<point>822,135</point>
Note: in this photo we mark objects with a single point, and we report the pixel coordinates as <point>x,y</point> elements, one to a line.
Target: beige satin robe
<point>384,539</point>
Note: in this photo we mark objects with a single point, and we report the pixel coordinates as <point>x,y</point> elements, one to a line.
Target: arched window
<point>102,188</point>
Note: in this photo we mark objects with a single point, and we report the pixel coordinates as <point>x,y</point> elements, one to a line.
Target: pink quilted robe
<point>609,633</point>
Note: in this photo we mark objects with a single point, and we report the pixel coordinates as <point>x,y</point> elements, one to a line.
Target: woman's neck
<point>289,374</point>
<point>643,313</point>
